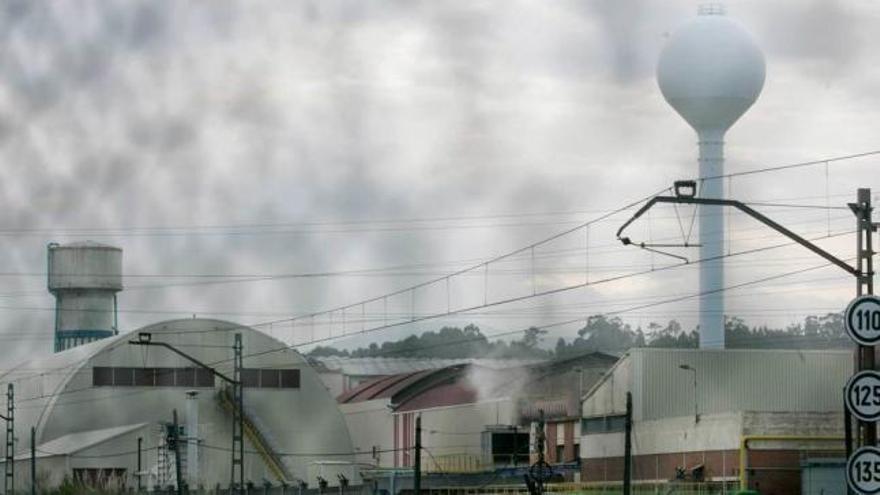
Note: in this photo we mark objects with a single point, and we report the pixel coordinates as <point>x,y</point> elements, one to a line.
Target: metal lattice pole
<point>865,285</point>
<point>9,479</point>
<point>238,416</point>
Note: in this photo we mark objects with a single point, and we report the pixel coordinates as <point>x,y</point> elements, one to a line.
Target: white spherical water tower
<point>711,71</point>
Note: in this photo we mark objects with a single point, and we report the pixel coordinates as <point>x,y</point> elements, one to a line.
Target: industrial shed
<point>473,417</point>
<point>753,417</point>
<point>455,412</point>
<point>341,374</point>
<point>90,405</point>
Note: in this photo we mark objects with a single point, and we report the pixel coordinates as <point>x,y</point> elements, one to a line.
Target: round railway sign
<point>863,395</point>
<point>863,471</point>
<point>862,320</point>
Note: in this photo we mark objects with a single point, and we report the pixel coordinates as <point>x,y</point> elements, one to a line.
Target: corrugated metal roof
<point>382,366</point>
<point>75,442</point>
<point>384,387</point>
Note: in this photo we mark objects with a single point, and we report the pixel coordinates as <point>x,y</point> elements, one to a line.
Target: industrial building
<point>101,407</point>
<point>474,419</point>
<point>341,374</point>
<point>747,417</point>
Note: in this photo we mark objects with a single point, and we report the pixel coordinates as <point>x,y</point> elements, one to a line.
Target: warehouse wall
<point>736,380</point>
<point>371,426</point>
<point>452,434</point>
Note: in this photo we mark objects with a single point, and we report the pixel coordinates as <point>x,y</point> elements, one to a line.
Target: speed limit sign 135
<point>863,471</point>
<point>863,395</point>
<point>862,320</point>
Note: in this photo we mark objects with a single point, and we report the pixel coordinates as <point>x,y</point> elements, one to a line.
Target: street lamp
<point>146,338</point>
<point>689,368</point>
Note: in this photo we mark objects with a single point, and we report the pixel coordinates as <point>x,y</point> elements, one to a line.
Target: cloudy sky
<point>218,142</point>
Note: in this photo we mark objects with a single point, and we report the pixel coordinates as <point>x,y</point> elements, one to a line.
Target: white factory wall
<point>608,396</point>
<point>452,434</point>
<point>680,434</point>
<point>371,425</point>
<point>727,381</point>
<point>60,399</point>
<point>716,432</point>
<point>334,381</point>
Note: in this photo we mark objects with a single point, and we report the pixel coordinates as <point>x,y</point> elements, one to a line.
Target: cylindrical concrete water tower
<point>711,71</point>
<point>84,277</point>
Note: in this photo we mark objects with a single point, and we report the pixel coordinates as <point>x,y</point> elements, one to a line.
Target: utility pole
<point>417,465</point>
<point>627,446</point>
<point>540,471</point>
<point>175,435</point>
<point>864,286</point>
<point>847,433</point>
<point>515,446</point>
<point>238,422</point>
<point>33,461</point>
<point>146,338</point>
<point>140,464</point>
<point>9,479</point>
<point>863,272</point>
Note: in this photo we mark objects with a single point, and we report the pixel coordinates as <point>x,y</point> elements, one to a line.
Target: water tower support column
<point>711,240</point>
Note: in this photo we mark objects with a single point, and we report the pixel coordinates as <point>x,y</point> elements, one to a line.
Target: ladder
<point>258,440</point>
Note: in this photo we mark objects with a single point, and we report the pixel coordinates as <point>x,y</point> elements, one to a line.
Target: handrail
<point>258,440</point>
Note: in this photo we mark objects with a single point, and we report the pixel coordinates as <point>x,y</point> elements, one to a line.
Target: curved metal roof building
<point>90,404</point>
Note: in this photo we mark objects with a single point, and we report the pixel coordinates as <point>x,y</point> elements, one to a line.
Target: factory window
<point>603,424</point>
<point>289,378</point>
<point>144,377</point>
<point>270,378</point>
<point>250,378</point>
<point>123,377</point>
<point>164,377</point>
<point>185,377</point>
<point>204,378</point>
<point>103,376</point>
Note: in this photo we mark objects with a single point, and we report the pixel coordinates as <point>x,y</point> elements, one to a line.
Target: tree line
<point>602,333</point>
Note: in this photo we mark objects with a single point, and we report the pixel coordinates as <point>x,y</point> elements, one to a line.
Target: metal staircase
<point>257,438</point>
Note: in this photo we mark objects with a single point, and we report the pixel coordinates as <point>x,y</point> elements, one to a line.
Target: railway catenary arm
<point>185,356</point>
<point>690,200</point>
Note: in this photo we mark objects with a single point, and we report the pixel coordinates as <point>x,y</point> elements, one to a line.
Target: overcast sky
<point>269,137</point>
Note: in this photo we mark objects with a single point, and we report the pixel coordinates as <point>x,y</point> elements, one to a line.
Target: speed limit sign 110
<point>863,395</point>
<point>862,320</point>
<point>863,471</point>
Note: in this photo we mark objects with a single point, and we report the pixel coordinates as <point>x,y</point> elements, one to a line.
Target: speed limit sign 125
<point>863,471</point>
<point>862,320</point>
<point>863,395</point>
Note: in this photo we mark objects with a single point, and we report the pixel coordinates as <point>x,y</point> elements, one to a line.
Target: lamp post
<point>689,368</point>
<point>146,338</point>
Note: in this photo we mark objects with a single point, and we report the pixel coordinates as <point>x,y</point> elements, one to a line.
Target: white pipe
<point>712,241</point>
